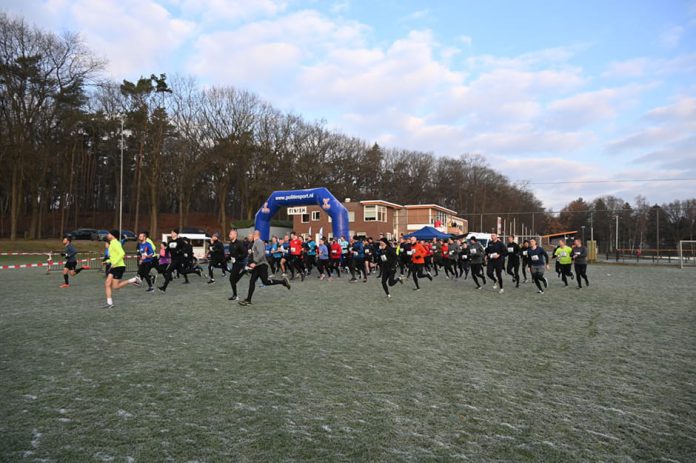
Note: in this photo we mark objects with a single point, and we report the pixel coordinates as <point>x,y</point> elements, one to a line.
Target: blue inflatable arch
<point>319,196</point>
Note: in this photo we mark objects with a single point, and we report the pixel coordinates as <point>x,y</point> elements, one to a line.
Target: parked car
<point>128,235</point>
<point>82,233</point>
<point>100,235</point>
<point>194,231</point>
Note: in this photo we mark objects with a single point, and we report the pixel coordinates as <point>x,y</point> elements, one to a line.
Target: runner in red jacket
<point>296,256</point>
<point>418,261</point>
<point>335,251</point>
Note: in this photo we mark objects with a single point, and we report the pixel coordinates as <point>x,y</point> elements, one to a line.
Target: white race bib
<point>511,250</point>
<point>525,253</point>
<point>409,252</point>
<point>233,260</point>
<point>535,258</point>
<point>563,254</point>
<point>473,251</point>
<point>384,258</point>
<point>494,255</point>
<point>292,250</point>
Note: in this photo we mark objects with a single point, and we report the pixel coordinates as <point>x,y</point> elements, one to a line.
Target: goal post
<point>687,253</point>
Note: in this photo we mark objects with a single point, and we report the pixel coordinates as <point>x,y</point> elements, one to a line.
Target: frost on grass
<point>124,414</point>
<point>450,374</point>
<point>36,438</point>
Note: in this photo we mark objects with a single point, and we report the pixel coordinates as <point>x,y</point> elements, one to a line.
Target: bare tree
<point>41,74</point>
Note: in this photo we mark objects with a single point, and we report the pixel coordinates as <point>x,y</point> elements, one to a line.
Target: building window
<point>315,216</point>
<point>305,218</point>
<point>439,216</point>
<point>375,214</point>
<point>351,217</point>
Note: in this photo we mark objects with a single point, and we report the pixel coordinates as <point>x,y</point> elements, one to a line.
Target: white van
<point>482,238</point>
<point>199,242</point>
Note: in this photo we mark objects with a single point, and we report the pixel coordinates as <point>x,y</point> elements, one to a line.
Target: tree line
<point>641,225</point>
<point>187,148</point>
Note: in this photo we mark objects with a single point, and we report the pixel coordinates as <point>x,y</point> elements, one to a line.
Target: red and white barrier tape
<point>27,253</point>
<point>45,264</point>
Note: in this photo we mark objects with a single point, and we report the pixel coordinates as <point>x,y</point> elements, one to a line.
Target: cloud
<point>646,137</point>
<point>684,110</point>
<point>266,53</point>
<point>546,169</point>
<point>645,66</point>
<point>134,44</point>
<point>416,15</point>
<point>665,147</point>
<point>671,37</point>
<point>403,75</point>
<point>231,11</point>
<point>670,124</point>
<point>545,57</point>
<point>588,108</point>
<point>679,155</point>
<point>505,97</point>
<point>636,67</point>
<point>340,7</point>
<point>530,141</point>
<point>466,40</point>
<point>137,37</point>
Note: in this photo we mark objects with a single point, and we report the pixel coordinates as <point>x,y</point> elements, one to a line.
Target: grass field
<point>333,372</point>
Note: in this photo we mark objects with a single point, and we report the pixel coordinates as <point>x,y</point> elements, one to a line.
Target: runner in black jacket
<point>177,251</point>
<point>238,254</point>
<point>389,262</point>
<point>524,253</point>
<point>216,257</point>
<point>495,259</point>
<point>513,260</point>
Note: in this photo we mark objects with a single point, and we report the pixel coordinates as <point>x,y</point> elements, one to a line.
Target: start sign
<point>297,210</point>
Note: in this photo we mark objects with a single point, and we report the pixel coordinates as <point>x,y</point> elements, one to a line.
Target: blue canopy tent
<point>428,233</point>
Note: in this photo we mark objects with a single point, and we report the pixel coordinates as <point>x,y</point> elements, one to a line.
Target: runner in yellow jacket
<point>118,267</point>
<point>564,254</point>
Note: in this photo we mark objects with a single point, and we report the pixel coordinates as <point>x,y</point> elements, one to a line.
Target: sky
<point>545,91</point>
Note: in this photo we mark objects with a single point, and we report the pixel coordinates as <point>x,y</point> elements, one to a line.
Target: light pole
<point>583,234</point>
<point>591,227</point>
<point>657,230</point>
<point>120,201</point>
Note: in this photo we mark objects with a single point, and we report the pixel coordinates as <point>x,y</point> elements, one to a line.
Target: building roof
<point>381,202</point>
<point>432,206</point>
<point>559,234</point>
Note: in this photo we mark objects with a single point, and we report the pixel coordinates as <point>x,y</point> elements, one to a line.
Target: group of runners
<point>392,261</point>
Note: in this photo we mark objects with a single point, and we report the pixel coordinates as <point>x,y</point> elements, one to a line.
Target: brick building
<point>372,217</point>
